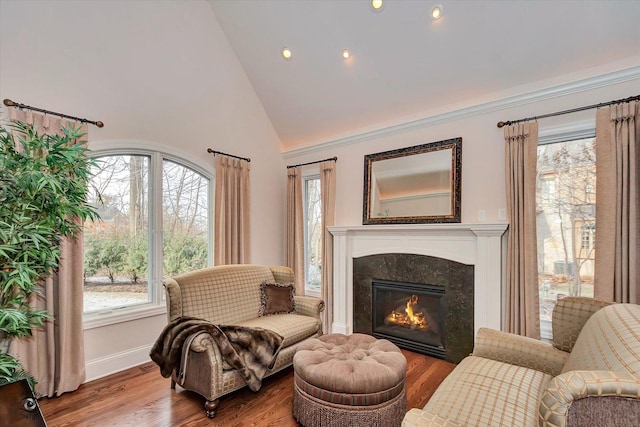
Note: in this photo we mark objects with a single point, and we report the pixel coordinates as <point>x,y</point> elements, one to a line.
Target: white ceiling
<point>404,63</point>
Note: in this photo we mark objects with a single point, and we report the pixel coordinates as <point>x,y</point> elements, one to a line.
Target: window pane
<point>566,199</point>
<point>116,249</point>
<point>185,219</point>
<point>313,235</point>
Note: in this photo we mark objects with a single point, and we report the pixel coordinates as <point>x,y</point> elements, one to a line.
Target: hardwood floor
<point>141,397</point>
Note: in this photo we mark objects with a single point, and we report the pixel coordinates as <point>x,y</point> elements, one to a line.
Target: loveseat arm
<point>518,350</point>
<point>309,306</point>
<point>420,418</point>
<point>208,364</point>
<point>571,386</point>
<point>173,298</point>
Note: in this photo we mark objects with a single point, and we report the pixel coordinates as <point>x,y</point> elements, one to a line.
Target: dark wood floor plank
<point>140,397</point>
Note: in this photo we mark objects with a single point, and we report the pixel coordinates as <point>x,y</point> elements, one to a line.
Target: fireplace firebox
<point>411,315</point>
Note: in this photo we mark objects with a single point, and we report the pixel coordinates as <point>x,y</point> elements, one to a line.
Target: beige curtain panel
<point>55,353</point>
<point>522,300</point>
<point>617,242</point>
<point>328,203</point>
<point>232,237</point>
<point>295,228</point>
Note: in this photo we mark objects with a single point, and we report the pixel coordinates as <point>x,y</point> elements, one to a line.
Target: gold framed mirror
<point>413,185</point>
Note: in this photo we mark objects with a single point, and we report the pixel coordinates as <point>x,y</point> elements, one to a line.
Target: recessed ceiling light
<point>376,5</point>
<point>286,53</point>
<point>346,54</point>
<point>436,12</point>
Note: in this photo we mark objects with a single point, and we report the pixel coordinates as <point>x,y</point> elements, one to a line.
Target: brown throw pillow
<point>276,298</point>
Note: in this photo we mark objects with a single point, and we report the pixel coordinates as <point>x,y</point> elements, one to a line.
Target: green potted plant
<point>43,198</point>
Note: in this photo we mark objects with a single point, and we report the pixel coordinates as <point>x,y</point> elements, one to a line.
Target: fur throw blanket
<point>252,351</point>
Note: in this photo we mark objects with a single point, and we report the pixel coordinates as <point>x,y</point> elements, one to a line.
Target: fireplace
<point>410,315</point>
<point>420,253</point>
<point>443,286</point>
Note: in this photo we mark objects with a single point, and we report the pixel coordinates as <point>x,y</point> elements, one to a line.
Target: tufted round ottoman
<point>349,380</point>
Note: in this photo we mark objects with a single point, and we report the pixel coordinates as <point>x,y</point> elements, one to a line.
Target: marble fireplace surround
<point>481,245</point>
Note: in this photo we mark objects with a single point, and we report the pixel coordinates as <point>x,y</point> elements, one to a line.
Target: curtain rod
<point>214,152</point>
<point>10,103</point>
<point>574,110</point>
<point>334,158</point>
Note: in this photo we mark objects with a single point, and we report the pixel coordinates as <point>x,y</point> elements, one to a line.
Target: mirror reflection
<point>418,184</point>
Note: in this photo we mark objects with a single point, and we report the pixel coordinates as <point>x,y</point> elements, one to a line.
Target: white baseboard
<point>116,362</point>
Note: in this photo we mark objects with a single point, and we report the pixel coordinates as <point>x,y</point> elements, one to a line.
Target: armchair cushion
<point>276,298</point>
<point>475,394</point>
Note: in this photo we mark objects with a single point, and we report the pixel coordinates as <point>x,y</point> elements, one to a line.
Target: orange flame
<point>407,316</point>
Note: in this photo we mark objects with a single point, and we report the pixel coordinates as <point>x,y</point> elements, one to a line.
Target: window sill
<point>121,315</point>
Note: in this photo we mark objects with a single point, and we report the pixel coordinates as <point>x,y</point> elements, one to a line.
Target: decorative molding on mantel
<point>582,85</point>
<point>433,228</point>
<point>480,245</point>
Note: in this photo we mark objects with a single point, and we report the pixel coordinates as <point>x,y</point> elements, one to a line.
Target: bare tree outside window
<point>566,201</point>
<point>313,235</point>
<point>185,219</point>
<point>116,249</point>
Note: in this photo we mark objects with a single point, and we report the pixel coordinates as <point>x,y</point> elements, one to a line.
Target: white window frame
<point>156,305</point>
<point>551,135</point>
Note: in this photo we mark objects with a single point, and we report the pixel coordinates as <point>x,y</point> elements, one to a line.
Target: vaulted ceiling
<point>405,65</point>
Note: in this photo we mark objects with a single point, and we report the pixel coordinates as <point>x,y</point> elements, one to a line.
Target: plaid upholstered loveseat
<point>588,376</point>
<point>231,295</point>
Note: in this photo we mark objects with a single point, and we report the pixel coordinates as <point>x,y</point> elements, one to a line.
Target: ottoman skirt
<point>310,411</point>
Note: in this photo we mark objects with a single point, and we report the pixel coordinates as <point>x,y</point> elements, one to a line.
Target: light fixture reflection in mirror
<point>419,184</point>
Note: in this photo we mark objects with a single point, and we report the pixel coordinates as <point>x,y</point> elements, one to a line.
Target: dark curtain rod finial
<point>10,103</point>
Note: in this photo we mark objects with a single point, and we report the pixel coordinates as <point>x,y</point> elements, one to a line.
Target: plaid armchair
<point>589,375</point>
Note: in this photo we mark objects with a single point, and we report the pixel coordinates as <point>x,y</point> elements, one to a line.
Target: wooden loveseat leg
<point>210,406</point>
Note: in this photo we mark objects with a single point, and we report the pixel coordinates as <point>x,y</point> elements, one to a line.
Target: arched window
<point>155,212</point>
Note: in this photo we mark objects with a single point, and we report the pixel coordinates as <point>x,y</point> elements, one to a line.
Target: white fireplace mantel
<point>480,245</point>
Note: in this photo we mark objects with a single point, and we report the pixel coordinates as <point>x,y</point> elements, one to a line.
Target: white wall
<point>483,182</point>
<point>161,72</point>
